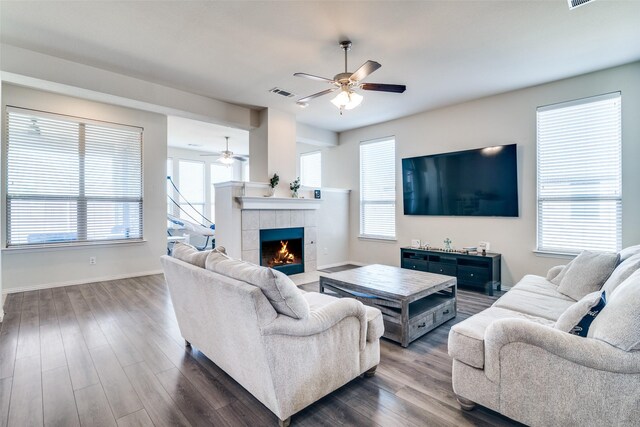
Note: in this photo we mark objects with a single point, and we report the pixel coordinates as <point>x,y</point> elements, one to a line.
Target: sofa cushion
<point>466,339</point>
<point>534,304</point>
<point>619,322</point>
<point>625,269</point>
<point>539,285</point>
<point>587,273</point>
<point>189,254</point>
<point>282,293</point>
<point>375,324</point>
<point>629,252</point>
<point>577,319</point>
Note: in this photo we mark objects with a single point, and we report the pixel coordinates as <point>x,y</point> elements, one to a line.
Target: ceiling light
<point>226,156</point>
<point>347,99</point>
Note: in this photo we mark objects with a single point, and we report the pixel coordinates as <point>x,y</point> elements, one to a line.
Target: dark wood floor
<point>110,353</point>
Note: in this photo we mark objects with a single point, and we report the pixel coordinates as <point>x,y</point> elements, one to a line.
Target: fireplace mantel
<point>253,202</point>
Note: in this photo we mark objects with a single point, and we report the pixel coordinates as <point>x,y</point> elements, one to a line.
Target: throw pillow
<point>578,317</point>
<point>619,322</point>
<point>623,271</point>
<point>587,273</point>
<point>628,252</point>
<point>190,254</point>
<point>282,293</point>
<point>558,278</point>
<point>215,256</point>
<point>554,272</point>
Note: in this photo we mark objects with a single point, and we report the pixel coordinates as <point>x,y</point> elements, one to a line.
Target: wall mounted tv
<point>482,182</point>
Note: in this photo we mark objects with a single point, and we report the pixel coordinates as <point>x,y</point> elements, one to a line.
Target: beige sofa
<point>511,358</point>
<point>287,363</point>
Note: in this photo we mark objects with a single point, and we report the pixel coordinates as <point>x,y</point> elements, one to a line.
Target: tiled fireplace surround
<point>254,220</point>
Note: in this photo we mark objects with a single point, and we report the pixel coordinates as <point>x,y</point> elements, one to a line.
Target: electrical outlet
<point>325,251</point>
<point>92,260</point>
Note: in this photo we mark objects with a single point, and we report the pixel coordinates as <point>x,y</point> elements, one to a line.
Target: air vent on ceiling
<point>281,92</point>
<point>577,3</point>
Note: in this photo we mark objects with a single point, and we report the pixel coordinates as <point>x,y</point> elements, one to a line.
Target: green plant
<point>295,185</point>
<point>275,179</point>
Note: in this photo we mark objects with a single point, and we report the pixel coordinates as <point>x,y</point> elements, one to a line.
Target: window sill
<point>70,246</point>
<point>378,238</point>
<point>550,254</point>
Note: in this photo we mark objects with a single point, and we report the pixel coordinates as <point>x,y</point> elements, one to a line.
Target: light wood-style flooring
<point>110,353</point>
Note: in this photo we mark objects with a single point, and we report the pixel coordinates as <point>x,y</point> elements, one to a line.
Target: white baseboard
<point>79,282</point>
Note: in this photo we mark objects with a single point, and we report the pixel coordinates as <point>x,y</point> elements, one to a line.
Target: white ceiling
<point>444,51</point>
<point>201,136</point>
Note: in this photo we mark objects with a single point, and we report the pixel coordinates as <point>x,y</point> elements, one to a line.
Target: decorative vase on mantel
<point>273,183</point>
<point>294,187</point>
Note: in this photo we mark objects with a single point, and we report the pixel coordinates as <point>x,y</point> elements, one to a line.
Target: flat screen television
<point>481,182</point>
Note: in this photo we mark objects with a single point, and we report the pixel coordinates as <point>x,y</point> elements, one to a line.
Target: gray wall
<point>32,268</point>
<point>501,119</point>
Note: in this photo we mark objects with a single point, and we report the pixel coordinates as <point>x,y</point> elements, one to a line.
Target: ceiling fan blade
<point>381,87</point>
<point>364,70</point>
<point>238,156</point>
<point>240,159</point>
<point>312,77</point>
<point>315,95</point>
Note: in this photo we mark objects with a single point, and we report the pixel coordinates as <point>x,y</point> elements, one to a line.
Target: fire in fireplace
<point>283,249</point>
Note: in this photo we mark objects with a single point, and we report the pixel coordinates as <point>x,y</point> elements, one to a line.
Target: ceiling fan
<point>227,157</point>
<point>347,82</point>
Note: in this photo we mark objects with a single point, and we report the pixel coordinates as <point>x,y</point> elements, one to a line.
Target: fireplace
<point>283,249</point>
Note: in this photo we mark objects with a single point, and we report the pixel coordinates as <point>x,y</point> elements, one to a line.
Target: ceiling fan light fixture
<point>347,99</point>
<point>226,158</point>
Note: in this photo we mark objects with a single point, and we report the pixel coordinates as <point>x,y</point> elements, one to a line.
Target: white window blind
<point>580,175</point>
<point>378,189</point>
<point>311,169</point>
<point>71,180</point>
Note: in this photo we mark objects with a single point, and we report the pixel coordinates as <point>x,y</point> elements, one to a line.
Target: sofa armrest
<point>588,352</point>
<point>554,271</point>
<point>320,320</point>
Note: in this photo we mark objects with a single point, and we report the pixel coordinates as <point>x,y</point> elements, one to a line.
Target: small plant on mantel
<point>273,183</point>
<point>294,187</point>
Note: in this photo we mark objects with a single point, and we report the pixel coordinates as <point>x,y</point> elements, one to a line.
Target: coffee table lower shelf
<point>404,321</point>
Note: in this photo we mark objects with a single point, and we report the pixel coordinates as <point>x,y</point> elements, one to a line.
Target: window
<point>191,185</point>
<point>580,176</point>
<point>219,173</point>
<point>71,180</point>
<point>378,189</point>
<point>311,169</point>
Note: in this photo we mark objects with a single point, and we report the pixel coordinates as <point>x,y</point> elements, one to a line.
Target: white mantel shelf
<point>252,202</point>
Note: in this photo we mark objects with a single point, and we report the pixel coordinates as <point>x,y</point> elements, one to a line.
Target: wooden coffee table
<point>412,302</point>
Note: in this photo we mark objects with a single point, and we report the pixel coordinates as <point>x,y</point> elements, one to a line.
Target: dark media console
<point>480,272</point>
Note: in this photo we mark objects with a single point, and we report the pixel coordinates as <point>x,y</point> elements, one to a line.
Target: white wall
<point>311,135</point>
<point>333,228</point>
<point>31,268</point>
<point>501,119</point>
